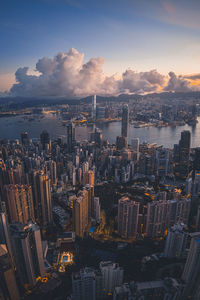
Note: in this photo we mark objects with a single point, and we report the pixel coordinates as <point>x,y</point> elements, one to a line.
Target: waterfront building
<point>25,138</point>
<point>125,121</point>
<point>70,137</point>
<point>45,140</point>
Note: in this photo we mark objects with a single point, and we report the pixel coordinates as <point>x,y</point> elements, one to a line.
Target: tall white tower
<point>93,111</point>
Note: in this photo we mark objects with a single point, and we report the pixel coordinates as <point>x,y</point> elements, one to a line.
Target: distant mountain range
<point>20,102</point>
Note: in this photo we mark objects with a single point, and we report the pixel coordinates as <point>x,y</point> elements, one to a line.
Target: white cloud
<point>65,75</point>
<point>179,84</point>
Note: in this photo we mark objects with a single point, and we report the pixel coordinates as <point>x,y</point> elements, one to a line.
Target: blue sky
<point>141,35</point>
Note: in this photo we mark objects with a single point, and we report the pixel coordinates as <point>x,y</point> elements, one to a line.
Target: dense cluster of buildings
<point>46,184</point>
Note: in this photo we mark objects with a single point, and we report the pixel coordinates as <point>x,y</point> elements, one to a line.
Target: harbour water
<point>11,128</point>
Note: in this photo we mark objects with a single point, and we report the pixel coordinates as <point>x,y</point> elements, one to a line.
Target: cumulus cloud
<point>193,77</point>
<point>66,75</point>
<point>179,84</point>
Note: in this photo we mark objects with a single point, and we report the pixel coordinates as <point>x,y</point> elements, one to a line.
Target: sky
<point>117,36</point>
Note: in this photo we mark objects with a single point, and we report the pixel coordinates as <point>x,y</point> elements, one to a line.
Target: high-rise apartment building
<point>52,171</point>
<point>19,202</point>
<point>112,274</point>
<point>162,215</point>
<point>28,253</point>
<point>41,197</point>
<point>8,284</point>
<point>4,230</point>
<point>80,213</point>
<point>96,209</point>
<point>90,190</point>
<point>88,178</point>
<point>191,272</point>
<point>156,218</point>
<point>167,289</point>
<point>176,241</point>
<point>128,212</point>
<point>87,285</point>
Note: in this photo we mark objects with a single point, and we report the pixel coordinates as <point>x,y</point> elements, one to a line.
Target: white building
<point>87,285</point>
<point>112,275</point>
<point>191,270</point>
<point>193,260</point>
<point>188,185</point>
<point>93,111</point>
<point>176,241</point>
<point>96,209</point>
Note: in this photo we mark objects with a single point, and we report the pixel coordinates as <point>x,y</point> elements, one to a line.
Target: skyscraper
<point>96,136</point>
<point>80,213</point>
<point>181,155</point>
<point>45,140</point>
<point>197,225</point>
<point>112,275</point>
<point>8,285</point>
<point>4,230</point>
<point>93,109</point>
<point>184,145</point>
<point>19,202</point>
<point>90,190</point>
<point>197,159</point>
<point>125,120</point>
<point>96,209</point>
<point>176,241</point>
<point>25,138</point>
<point>52,171</point>
<point>88,178</point>
<point>156,218</point>
<point>128,212</point>
<point>27,248</point>
<point>162,162</point>
<point>162,215</point>
<point>41,197</point>
<point>70,136</point>
<point>87,285</point>
<point>191,272</point>
<point>121,142</point>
